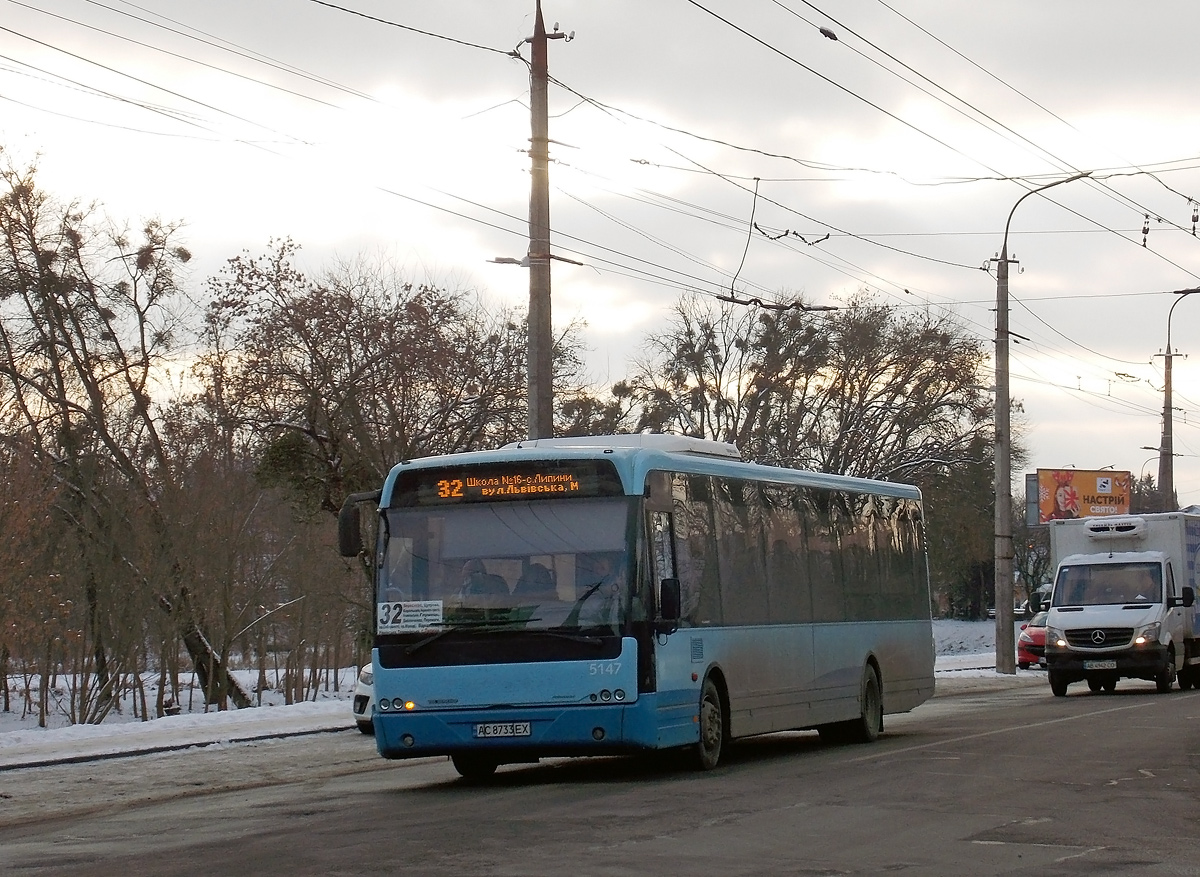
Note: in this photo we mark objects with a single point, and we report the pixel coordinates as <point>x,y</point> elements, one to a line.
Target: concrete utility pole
<point>1166,449</point>
<point>1006,646</point>
<point>541,338</point>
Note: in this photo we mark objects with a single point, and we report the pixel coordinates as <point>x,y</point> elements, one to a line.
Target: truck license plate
<point>1100,665</point>
<point>503,729</point>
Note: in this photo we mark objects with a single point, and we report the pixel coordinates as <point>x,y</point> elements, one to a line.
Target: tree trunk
<point>215,680</point>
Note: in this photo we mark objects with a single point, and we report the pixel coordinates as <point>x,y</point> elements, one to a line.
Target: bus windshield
<point>541,565</point>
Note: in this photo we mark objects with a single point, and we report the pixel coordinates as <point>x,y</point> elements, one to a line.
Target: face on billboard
<point>1081,493</point>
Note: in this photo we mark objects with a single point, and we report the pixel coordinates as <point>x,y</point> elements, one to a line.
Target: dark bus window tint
<point>864,602</point>
<point>740,552</point>
<point>696,551</point>
<point>823,548</point>
<point>902,574</point>
<point>788,596</point>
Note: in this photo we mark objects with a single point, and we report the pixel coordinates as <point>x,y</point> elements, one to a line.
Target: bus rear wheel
<point>707,752</point>
<point>867,727</point>
<point>473,766</point>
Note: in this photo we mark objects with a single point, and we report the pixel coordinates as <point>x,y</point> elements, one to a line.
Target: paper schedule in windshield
<point>408,615</point>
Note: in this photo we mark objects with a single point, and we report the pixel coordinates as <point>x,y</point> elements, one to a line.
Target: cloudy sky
<point>886,159</point>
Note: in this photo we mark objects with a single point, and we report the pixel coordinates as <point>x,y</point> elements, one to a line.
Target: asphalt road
<point>984,779</point>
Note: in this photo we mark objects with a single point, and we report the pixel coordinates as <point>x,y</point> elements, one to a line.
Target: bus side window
<point>662,543</point>
<point>696,550</point>
<point>739,525</point>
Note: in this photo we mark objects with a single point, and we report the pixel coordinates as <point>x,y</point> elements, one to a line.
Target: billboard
<point>1080,493</point>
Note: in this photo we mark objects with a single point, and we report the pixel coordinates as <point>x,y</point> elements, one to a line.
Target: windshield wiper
<point>573,637</point>
<point>465,626</point>
<point>572,619</point>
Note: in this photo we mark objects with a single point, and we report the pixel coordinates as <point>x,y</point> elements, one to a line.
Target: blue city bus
<point>620,594</point>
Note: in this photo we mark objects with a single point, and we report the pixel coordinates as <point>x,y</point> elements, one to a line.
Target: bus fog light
<point>605,695</point>
<point>397,703</point>
<point>597,734</point>
<point>384,705</point>
<point>408,740</point>
<point>593,697</point>
<point>619,694</point>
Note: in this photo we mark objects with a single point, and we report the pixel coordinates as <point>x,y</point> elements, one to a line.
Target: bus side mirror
<point>350,542</point>
<point>668,606</point>
<point>349,530</point>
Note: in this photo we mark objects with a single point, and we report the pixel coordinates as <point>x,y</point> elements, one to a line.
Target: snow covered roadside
<point>38,746</point>
<point>965,650</point>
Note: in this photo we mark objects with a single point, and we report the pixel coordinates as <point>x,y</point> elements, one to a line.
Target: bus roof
<point>682,444</point>
<point>636,455</point>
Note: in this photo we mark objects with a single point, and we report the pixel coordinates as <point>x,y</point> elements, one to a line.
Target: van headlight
<point>1055,638</point>
<point>367,676</point>
<point>1148,634</point>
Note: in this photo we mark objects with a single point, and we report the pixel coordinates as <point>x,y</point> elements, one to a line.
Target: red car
<point>1031,644</point>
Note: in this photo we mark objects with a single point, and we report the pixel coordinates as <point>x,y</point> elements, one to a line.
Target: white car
<point>364,700</point>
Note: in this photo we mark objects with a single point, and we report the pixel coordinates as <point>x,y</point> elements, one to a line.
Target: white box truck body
<point>1122,604</point>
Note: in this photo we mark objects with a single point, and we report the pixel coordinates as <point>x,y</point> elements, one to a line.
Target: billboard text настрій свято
<point>1079,493</point>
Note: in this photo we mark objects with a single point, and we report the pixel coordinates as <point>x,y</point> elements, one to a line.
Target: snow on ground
<point>964,648</point>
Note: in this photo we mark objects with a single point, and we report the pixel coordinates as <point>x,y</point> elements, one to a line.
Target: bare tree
<point>336,380</point>
<point>86,325</point>
<point>864,390</point>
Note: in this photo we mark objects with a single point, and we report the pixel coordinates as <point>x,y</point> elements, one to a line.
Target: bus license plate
<point>503,729</point>
<point>1099,665</point>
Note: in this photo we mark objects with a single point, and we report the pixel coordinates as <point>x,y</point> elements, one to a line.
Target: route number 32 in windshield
<point>405,615</point>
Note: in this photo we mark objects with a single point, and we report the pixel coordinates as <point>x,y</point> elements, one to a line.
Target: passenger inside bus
<point>536,584</point>
<point>478,582</point>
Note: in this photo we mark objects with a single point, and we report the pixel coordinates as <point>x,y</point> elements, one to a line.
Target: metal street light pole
<point>1166,450</point>
<point>1006,657</point>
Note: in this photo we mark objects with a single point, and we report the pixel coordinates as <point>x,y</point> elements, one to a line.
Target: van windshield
<point>1107,584</point>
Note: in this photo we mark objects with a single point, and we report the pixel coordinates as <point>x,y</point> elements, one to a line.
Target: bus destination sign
<point>507,481</point>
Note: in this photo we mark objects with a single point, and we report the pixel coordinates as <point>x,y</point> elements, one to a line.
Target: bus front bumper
<point>520,734</point>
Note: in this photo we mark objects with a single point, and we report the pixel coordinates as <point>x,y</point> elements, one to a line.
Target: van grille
<point>1099,637</point>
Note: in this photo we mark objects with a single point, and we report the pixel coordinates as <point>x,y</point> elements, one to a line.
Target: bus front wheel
<point>712,727</point>
<point>473,766</point>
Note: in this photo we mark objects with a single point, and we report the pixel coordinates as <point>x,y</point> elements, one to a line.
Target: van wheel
<point>1186,678</point>
<point>1058,684</point>
<point>1095,683</point>
<point>707,751</point>
<point>1110,684</point>
<point>1166,676</point>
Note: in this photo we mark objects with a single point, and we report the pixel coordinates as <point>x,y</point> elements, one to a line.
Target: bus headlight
<point>1148,634</point>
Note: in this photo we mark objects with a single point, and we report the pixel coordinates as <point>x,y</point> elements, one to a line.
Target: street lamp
<point>1166,450</point>
<point>1005,643</point>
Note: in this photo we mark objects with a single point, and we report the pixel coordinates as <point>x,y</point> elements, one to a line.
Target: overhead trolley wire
<point>168,52</point>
